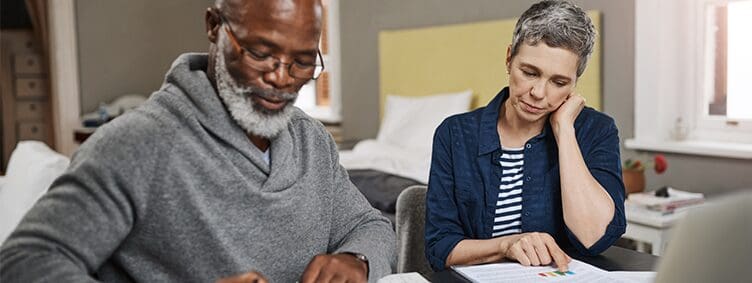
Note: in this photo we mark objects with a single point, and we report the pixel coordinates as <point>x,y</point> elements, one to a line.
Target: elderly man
<point>216,176</point>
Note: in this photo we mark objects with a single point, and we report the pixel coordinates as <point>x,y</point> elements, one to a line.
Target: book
<point>676,199</point>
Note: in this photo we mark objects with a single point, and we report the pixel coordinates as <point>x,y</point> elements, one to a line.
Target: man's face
<point>540,79</point>
<point>251,37</point>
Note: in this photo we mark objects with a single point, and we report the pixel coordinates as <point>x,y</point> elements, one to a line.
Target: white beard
<point>253,118</point>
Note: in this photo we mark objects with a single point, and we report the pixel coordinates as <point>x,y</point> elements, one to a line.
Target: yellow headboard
<point>425,61</point>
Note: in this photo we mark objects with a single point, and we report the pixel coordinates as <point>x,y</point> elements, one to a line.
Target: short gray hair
<point>558,24</point>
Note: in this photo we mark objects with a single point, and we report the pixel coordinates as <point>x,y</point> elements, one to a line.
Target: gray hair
<point>558,24</point>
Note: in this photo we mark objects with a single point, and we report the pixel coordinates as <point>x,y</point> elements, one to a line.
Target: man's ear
<point>213,23</point>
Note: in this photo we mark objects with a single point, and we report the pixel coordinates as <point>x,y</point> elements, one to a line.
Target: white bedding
<point>372,154</point>
<point>31,169</point>
<point>403,145</point>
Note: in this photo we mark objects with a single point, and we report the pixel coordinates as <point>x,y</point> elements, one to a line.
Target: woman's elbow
<point>589,238</point>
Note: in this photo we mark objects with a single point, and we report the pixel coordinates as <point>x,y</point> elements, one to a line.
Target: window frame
<point>712,127</point>
<point>665,59</point>
<point>333,112</point>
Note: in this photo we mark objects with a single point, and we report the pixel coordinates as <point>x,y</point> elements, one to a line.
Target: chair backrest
<point>411,216</point>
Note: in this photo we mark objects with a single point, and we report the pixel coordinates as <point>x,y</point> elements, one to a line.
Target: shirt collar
<point>488,135</point>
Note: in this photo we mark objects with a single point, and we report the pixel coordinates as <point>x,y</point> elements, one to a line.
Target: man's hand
<point>567,112</point>
<point>535,249</point>
<point>250,277</point>
<point>335,268</point>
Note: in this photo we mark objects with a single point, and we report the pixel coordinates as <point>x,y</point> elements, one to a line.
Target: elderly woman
<point>535,170</point>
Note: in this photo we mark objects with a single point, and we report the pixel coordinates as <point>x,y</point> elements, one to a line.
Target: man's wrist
<point>360,258</point>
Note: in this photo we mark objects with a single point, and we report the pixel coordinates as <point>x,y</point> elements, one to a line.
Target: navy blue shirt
<point>463,185</point>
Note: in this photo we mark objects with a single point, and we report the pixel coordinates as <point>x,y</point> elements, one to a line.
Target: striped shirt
<point>509,204</point>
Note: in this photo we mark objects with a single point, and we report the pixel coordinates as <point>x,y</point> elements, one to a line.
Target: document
<point>634,276</point>
<point>412,277</point>
<point>514,272</point>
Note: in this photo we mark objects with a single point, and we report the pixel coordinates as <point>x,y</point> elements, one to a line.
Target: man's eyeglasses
<point>267,63</point>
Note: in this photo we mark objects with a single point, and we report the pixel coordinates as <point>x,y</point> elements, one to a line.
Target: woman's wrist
<point>561,130</point>
<point>504,243</point>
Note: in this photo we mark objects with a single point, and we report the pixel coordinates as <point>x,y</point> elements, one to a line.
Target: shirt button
<point>528,178</point>
<point>528,145</point>
<point>527,213</point>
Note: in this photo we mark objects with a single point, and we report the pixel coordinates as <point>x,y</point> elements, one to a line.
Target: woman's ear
<point>213,23</point>
<point>509,58</point>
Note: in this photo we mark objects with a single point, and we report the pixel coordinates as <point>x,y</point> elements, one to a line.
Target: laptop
<point>712,243</point>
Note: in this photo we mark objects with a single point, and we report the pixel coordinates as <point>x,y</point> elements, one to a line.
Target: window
<point>692,61</point>
<point>320,98</point>
<point>726,105</point>
<point>739,46</point>
<point>729,47</point>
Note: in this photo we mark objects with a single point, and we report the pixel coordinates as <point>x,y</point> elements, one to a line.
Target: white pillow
<point>409,122</point>
<point>31,169</point>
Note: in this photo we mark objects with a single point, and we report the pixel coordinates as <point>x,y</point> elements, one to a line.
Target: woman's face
<point>540,79</point>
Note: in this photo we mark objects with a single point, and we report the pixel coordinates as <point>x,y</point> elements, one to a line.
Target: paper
<point>412,277</point>
<point>515,272</point>
<point>634,276</point>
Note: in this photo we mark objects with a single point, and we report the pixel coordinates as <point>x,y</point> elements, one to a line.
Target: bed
<point>31,169</point>
<point>423,81</point>
<point>400,155</point>
<point>381,189</point>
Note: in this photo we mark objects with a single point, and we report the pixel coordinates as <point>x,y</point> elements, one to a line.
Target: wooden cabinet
<point>27,63</point>
<point>24,92</point>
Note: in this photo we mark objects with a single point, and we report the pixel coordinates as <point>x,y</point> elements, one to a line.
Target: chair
<point>411,214</point>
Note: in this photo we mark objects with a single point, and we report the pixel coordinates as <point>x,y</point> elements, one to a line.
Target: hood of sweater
<point>202,103</point>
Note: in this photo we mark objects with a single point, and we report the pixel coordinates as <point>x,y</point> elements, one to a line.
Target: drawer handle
<point>29,44</point>
<point>32,107</point>
<point>32,84</point>
<point>34,130</point>
<point>30,62</point>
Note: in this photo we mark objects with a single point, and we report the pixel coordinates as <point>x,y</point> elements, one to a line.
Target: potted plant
<point>633,172</point>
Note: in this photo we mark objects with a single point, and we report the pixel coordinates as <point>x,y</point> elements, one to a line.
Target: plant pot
<point>634,181</point>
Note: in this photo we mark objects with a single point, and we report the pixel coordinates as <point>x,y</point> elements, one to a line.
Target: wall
<point>361,20</point>
<point>126,46</point>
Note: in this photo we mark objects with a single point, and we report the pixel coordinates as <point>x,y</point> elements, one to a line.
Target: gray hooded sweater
<point>175,192</point>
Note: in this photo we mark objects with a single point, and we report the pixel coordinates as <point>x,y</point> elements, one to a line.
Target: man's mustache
<point>269,94</point>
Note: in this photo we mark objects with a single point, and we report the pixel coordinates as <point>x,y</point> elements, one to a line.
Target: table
<point>80,134</point>
<point>613,259</point>
<point>645,226</point>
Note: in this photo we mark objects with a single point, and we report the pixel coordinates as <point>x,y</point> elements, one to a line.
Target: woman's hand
<point>534,249</point>
<point>567,112</point>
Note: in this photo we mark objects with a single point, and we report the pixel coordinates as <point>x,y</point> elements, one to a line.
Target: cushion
<point>410,122</point>
<point>31,169</point>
